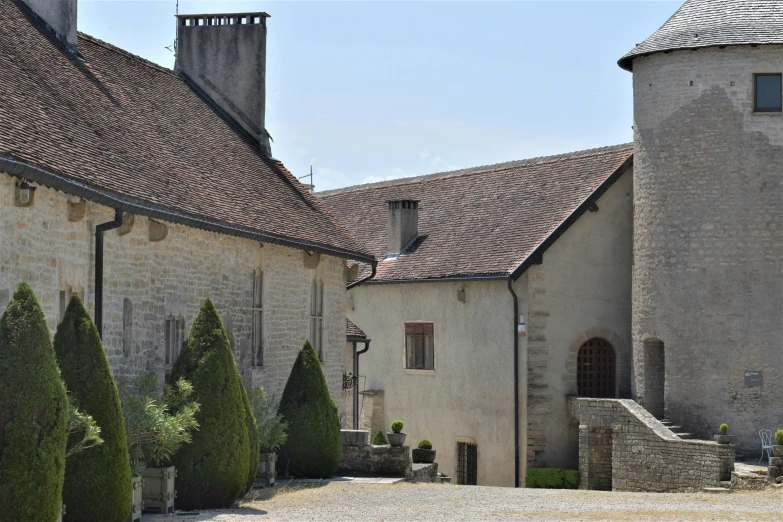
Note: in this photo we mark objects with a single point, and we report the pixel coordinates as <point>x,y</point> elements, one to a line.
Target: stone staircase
<point>678,430</point>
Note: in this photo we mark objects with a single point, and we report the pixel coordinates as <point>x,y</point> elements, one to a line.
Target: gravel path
<point>428,502</point>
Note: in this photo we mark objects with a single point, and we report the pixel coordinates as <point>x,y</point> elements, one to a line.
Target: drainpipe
<point>356,384</point>
<point>516,382</point>
<point>360,281</point>
<point>99,230</point>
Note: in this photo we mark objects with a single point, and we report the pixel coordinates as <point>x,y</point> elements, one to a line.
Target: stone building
<point>650,272</point>
<point>171,173</point>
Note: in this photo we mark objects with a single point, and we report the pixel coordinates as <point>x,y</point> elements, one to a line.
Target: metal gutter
<point>99,230</point>
<point>536,257</point>
<point>135,206</point>
<point>374,265</point>
<point>490,277</point>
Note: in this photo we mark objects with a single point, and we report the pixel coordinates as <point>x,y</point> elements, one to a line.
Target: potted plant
<point>424,454</point>
<point>272,433</point>
<point>723,437</point>
<point>79,423</point>
<point>396,437</point>
<point>156,426</point>
<point>777,449</point>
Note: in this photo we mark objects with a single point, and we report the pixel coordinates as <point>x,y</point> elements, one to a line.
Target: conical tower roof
<point>710,23</point>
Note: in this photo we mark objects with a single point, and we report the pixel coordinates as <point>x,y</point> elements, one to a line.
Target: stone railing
<point>624,448</point>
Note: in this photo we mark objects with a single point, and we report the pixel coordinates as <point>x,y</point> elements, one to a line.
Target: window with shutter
<point>258,317</point>
<point>419,346</point>
<point>317,317</point>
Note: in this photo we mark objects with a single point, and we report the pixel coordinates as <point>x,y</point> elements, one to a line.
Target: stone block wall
<point>146,281</point>
<point>623,447</point>
<point>394,461</point>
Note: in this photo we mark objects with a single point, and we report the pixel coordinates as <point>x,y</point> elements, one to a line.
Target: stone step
<point>716,490</point>
<point>725,483</point>
<point>686,435</point>
<point>666,422</point>
<point>676,429</point>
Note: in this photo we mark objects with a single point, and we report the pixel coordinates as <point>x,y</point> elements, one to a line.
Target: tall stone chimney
<point>224,56</point>
<point>402,226</point>
<point>60,16</point>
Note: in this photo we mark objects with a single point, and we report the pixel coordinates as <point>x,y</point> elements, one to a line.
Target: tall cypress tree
<point>314,445</point>
<point>33,414</point>
<point>97,482</point>
<point>212,471</point>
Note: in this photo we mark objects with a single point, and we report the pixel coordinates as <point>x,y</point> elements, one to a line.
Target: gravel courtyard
<point>404,502</point>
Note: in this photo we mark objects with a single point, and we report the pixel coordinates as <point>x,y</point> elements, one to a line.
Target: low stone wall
<point>392,461</point>
<point>645,455</point>
<point>423,473</point>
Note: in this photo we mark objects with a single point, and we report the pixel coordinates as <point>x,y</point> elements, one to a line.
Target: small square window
<point>768,92</point>
<point>419,346</point>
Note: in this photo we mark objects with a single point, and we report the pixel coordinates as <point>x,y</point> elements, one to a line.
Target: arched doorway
<point>595,369</point>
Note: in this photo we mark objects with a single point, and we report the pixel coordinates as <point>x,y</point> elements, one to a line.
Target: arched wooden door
<point>595,369</point>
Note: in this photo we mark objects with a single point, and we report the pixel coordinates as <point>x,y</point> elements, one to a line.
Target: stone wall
<point>145,281</point>
<point>645,455</point>
<point>394,461</point>
<point>708,238</point>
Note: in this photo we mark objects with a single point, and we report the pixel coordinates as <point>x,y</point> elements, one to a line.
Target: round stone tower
<point>708,218</point>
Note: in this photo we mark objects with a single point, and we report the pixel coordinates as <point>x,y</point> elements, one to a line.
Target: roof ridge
<point>481,169</point>
<point>127,54</point>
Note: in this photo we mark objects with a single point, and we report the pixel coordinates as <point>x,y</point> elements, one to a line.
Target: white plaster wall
<point>582,290</point>
<point>39,245</point>
<point>470,393</point>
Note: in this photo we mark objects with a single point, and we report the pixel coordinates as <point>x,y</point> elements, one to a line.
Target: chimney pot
<point>402,225</point>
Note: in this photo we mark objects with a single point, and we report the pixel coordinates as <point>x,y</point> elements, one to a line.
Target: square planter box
<point>62,512</point>
<point>158,491</point>
<point>266,469</point>
<point>136,502</point>
<point>777,451</point>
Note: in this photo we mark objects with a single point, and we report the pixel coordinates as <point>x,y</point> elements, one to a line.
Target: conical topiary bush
<point>314,446</point>
<point>212,471</point>
<point>33,414</point>
<point>97,482</point>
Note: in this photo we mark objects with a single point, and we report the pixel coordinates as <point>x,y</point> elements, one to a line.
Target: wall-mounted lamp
<point>24,194</point>
<point>521,327</point>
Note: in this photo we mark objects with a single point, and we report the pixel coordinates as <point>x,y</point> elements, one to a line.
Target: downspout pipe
<point>516,381</point>
<point>99,230</point>
<point>374,266</point>
<point>356,385</point>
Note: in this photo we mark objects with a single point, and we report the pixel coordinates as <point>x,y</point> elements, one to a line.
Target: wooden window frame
<point>756,108</point>
<point>419,330</point>
<point>257,311</point>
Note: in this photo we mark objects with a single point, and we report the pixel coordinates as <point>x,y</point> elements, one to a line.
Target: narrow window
<point>768,92</point>
<point>175,336</point>
<point>467,463</point>
<point>317,317</point>
<point>65,298</point>
<point>258,317</point>
<point>419,346</point>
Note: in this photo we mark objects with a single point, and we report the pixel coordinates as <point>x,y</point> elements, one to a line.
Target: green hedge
<point>97,482</point>
<point>314,446</point>
<point>33,414</point>
<point>213,470</point>
<point>552,478</point>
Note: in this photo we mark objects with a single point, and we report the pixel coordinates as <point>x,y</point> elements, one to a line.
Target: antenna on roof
<point>173,47</point>
<point>310,186</point>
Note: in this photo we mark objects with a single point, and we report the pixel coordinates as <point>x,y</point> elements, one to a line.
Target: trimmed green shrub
<point>425,444</point>
<point>379,439</point>
<point>724,429</point>
<point>397,426</point>
<point>33,414</point>
<point>779,437</point>
<point>314,445</point>
<point>253,439</point>
<point>212,470</point>
<point>552,478</point>
<point>105,469</point>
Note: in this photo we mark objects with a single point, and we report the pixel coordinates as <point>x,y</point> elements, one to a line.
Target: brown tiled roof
<point>353,332</point>
<point>119,124</point>
<point>710,23</point>
<point>483,221</point>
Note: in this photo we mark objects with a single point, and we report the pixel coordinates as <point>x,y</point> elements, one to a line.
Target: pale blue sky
<point>365,91</point>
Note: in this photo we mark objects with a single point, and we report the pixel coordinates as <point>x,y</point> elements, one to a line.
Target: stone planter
<point>136,502</point>
<point>158,489</point>
<point>266,469</point>
<point>396,439</point>
<point>724,439</point>
<point>777,451</point>
<point>62,512</point>
<point>423,456</point>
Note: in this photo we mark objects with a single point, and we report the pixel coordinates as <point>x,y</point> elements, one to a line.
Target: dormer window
<point>768,92</point>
